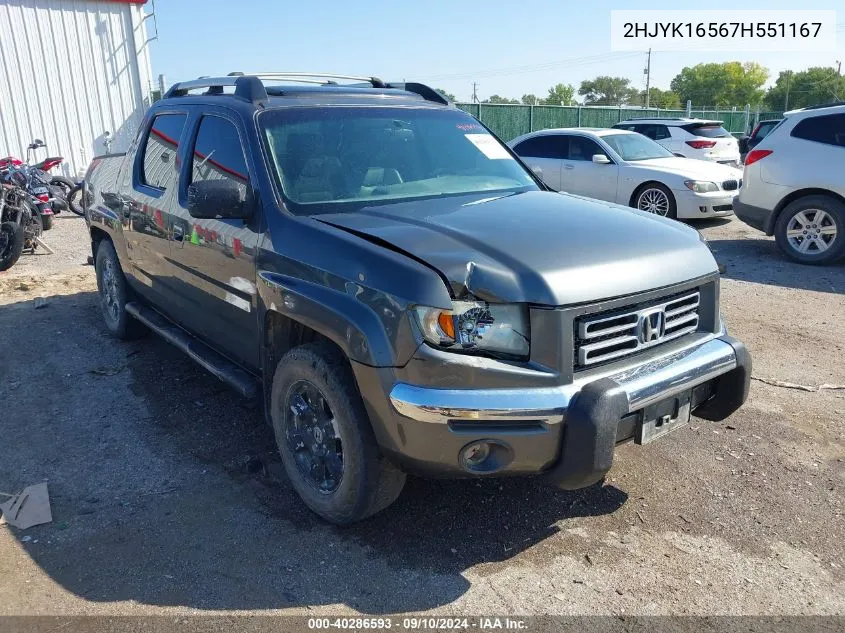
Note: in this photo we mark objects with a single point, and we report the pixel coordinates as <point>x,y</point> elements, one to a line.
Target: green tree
<point>666,99</point>
<point>498,99</point>
<point>448,95</point>
<point>559,94</point>
<point>607,90</point>
<point>529,99</point>
<point>808,87</point>
<point>725,84</point>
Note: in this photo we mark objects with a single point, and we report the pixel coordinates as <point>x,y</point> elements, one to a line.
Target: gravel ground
<point>168,497</point>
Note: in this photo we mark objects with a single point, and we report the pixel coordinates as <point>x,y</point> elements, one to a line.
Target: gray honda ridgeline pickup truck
<point>400,290</point>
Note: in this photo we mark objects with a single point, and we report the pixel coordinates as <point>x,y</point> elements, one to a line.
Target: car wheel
<point>114,294</point>
<point>325,439</point>
<point>656,198</point>
<point>811,230</point>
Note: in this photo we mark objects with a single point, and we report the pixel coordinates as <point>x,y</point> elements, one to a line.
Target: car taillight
<point>756,154</point>
<point>701,144</point>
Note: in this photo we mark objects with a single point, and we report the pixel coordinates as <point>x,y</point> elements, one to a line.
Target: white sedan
<point>630,169</point>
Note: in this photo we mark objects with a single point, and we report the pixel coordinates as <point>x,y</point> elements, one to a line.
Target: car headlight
<point>701,186</point>
<point>497,328</point>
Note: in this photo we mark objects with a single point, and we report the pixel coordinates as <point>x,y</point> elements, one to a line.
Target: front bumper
<point>693,205</point>
<point>567,431</point>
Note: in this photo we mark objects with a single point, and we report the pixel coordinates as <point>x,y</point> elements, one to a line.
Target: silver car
<point>795,185</point>
<point>629,169</point>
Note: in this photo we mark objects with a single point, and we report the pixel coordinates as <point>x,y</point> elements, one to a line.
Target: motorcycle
<point>20,224</point>
<point>63,193</point>
<point>37,184</point>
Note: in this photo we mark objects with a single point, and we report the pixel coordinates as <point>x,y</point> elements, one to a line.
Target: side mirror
<point>601,159</point>
<point>219,199</point>
<point>743,145</point>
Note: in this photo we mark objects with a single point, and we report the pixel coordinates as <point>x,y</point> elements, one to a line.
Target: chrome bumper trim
<point>643,385</point>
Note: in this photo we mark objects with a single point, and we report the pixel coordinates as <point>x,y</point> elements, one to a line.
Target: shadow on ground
<point>757,259</point>
<point>167,489</point>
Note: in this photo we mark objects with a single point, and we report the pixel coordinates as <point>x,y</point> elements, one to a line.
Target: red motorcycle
<point>60,193</point>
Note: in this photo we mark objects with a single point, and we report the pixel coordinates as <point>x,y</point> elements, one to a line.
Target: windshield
<point>330,155</point>
<point>634,147</point>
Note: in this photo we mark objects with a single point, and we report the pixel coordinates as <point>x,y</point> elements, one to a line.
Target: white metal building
<point>71,71</point>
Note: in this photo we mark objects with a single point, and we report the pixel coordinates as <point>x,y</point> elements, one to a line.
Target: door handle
<point>568,166</point>
<point>178,233</point>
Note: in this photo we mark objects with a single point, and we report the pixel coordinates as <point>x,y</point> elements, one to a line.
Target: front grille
<point>610,335</point>
<point>723,207</point>
<point>730,185</point>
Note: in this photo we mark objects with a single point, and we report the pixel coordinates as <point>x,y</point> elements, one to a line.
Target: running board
<point>224,369</point>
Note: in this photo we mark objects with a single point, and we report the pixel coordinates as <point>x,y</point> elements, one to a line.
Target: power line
<point>577,61</point>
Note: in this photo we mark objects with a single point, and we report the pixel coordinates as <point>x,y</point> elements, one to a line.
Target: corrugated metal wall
<point>70,70</point>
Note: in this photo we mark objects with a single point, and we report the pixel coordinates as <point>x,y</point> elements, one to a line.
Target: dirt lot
<point>168,497</point>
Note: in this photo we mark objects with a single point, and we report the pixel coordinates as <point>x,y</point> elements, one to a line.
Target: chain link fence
<point>508,121</point>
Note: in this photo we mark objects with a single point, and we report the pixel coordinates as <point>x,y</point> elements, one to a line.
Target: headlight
<point>701,186</point>
<point>499,328</point>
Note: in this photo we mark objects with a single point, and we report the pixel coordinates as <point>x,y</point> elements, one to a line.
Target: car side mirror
<point>743,145</point>
<point>219,199</point>
<point>601,159</point>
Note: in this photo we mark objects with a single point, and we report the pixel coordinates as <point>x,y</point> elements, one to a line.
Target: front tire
<point>11,244</point>
<point>656,198</point>
<point>114,294</point>
<point>325,439</point>
<point>811,230</point>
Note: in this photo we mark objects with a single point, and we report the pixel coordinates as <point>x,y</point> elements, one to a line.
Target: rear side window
<point>549,146</point>
<point>218,153</point>
<point>764,129</point>
<point>707,130</point>
<point>160,150</point>
<point>654,131</point>
<point>828,129</point>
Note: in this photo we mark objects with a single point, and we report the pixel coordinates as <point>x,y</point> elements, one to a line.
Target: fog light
<point>475,454</point>
<point>703,209</point>
<point>483,457</point>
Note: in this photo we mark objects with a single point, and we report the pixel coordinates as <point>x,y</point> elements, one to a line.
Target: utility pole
<point>648,81</point>
<point>474,92</point>
<point>786,98</point>
<point>839,67</point>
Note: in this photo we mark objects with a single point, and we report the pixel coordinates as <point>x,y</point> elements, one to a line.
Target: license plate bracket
<point>663,417</point>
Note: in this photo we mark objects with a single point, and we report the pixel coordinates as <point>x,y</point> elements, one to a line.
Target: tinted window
<point>548,146</point>
<point>764,128</point>
<point>581,148</point>
<point>707,130</point>
<point>159,165</point>
<point>829,129</point>
<point>218,153</point>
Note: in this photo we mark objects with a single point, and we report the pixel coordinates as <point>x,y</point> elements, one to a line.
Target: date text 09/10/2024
<point>420,623</point>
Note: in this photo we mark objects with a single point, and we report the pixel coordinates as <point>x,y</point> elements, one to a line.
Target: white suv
<point>691,138</point>
<point>794,185</point>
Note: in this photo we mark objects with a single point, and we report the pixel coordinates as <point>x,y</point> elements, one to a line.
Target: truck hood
<point>536,247</point>
<point>689,168</point>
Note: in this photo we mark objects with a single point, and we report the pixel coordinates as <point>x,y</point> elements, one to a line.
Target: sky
<point>508,48</point>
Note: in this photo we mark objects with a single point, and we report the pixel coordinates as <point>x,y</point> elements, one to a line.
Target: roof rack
<point>657,118</point>
<point>825,105</point>
<point>250,87</point>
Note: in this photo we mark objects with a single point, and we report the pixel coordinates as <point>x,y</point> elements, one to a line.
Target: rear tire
<point>811,230</point>
<point>11,244</point>
<point>114,295</point>
<point>325,439</point>
<point>46,222</point>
